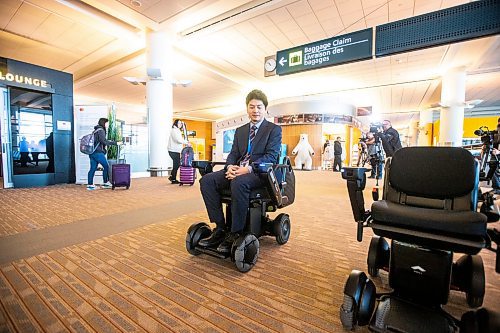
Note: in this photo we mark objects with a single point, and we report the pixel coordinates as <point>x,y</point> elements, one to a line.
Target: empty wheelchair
<point>278,192</point>
<point>429,211</point>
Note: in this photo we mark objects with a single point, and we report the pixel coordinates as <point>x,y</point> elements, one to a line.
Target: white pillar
<point>451,125</point>
<point>159,97</point>
<point>425,128</point>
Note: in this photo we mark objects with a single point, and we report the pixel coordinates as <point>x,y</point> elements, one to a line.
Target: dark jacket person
<point>390,139</point>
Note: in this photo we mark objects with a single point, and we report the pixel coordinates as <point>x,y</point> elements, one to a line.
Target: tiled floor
<point>134,274</point>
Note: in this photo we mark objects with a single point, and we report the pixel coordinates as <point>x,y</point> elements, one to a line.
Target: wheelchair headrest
<point>433,172</point>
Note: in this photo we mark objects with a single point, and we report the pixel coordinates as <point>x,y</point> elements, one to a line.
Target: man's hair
<point>388,121</point>
<point>338,138</point>
<point>258,95</point>
<point>102,121</point>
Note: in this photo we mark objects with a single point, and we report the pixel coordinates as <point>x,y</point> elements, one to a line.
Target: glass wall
<point>31,130</point>
<point>135,150</point>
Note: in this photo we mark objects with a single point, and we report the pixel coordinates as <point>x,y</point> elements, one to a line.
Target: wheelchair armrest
<point>206,166</point>
<point>356,181</point>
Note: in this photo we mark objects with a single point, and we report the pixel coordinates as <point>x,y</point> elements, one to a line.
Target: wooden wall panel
<point>291,135</point>
<point>203,130</point>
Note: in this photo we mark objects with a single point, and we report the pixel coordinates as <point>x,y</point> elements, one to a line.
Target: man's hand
<point>495,151</point>
<point>234,171</point>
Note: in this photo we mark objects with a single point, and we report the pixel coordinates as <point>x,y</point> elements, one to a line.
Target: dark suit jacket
<point>265,146</point>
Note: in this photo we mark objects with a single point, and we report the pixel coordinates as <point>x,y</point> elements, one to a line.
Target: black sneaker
<point>214,239</point>
<point>225,246</point>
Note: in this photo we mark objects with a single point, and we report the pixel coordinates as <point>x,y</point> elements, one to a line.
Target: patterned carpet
<point>142,279</point>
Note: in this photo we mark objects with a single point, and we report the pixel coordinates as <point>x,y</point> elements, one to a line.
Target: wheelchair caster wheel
<point>378,255</point>
<point>281,228</point>
<point>245,252</point>
<point>196,232</point>
<point>359,300</point>
<point>469,275</point>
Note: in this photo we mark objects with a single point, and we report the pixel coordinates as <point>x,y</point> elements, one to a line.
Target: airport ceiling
<point>220,46</point>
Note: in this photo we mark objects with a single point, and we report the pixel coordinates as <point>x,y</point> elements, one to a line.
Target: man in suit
<point>259,141</point>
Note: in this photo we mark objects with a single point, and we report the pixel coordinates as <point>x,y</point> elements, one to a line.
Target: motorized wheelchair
<point>429,211</point>
<point>278,192</point>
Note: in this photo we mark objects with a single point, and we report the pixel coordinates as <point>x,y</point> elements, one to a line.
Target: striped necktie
<point>251,136</point>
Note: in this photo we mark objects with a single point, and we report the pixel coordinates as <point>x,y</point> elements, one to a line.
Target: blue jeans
<point>98,158</point>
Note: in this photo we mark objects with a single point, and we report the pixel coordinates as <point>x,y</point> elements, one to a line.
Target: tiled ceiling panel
<point>226,58</point>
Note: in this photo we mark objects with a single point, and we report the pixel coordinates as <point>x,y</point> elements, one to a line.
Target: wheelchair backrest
<point>433,177</point>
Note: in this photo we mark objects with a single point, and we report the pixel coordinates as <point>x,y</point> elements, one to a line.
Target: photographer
<point>390,138</point>
<point>376,157</point>
<point>495,180</point>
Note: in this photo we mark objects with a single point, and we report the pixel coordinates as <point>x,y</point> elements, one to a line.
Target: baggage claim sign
<point>327,52</point>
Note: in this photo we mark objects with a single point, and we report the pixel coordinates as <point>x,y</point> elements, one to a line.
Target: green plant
<point>114,133</point>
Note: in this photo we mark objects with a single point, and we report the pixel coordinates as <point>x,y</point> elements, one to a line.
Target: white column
<point>425,128</point>
<point>451,125</point>
<point>159,97</point>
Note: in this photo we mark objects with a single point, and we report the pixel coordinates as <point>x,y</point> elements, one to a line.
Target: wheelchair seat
<point>430,199</point>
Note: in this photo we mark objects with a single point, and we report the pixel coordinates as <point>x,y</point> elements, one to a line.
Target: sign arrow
<point>418,269</point>
<point>282,61</point>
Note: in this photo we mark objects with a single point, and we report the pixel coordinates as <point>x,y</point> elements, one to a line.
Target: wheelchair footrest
<point>213,252</point>
<point>396,315</point>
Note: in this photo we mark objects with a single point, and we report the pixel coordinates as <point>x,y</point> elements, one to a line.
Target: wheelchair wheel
<point>476,283</point>
<point>281,228</point>
<point>378,255</point>
<point>196,232</point>
<point>359,300</point>
<point>245,252</point>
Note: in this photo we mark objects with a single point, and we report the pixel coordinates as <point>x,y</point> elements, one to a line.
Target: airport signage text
<point>9,77</point>
<point>327,52</point>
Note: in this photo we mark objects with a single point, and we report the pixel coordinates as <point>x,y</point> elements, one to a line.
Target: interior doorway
<point>31,132</point>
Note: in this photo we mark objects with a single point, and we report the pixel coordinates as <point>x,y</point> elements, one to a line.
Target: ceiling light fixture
<point>136,3</point>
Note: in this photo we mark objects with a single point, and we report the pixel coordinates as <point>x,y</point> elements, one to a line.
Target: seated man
<point>259,141</point>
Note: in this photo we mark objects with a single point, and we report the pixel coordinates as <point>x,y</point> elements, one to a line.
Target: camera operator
<point>376,158</point>
<point>495,180</point>
<point>390,138</point>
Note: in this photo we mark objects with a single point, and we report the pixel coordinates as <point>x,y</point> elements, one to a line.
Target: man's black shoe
<point>225,246</point>
<point>214,239</point>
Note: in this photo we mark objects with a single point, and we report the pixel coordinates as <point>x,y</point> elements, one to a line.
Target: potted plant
<point>114,134</point>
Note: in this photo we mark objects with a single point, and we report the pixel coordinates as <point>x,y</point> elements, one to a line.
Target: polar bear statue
<point>303,152</point>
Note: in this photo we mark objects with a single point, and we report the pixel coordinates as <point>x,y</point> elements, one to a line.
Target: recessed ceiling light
<point>136,3</point>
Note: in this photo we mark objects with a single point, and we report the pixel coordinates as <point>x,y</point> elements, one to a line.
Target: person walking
<point>337,152</point>
<point>175,144</point>
<point>99,155</point>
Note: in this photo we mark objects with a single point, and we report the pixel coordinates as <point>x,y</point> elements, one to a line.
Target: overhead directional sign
<point>327,52</point>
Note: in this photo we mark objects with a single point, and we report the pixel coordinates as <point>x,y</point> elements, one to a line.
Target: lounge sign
<point>327,52</point>
<point>22,79</point>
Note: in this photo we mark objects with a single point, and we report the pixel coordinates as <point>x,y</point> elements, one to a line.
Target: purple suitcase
<point>187,175</point>
<point>120,175</point>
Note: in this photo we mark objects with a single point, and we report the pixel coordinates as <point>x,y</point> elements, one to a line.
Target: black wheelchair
<point>429,211</point>
<point>278,192</point>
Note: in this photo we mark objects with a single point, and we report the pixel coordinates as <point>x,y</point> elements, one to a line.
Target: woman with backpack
<point>99,155</point>
<point>175,144</point>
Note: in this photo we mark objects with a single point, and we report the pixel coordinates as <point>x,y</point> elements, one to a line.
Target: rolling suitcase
<point>187,175</point>
<point>120,175</point>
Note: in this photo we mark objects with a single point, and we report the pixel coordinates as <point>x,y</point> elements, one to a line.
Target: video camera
<point>376,128</point>
<point>489,161</point>
<point>485,134</point>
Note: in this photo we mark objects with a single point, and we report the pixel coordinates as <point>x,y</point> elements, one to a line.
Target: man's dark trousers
<point>337,160</point>
<point>213,183</point>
